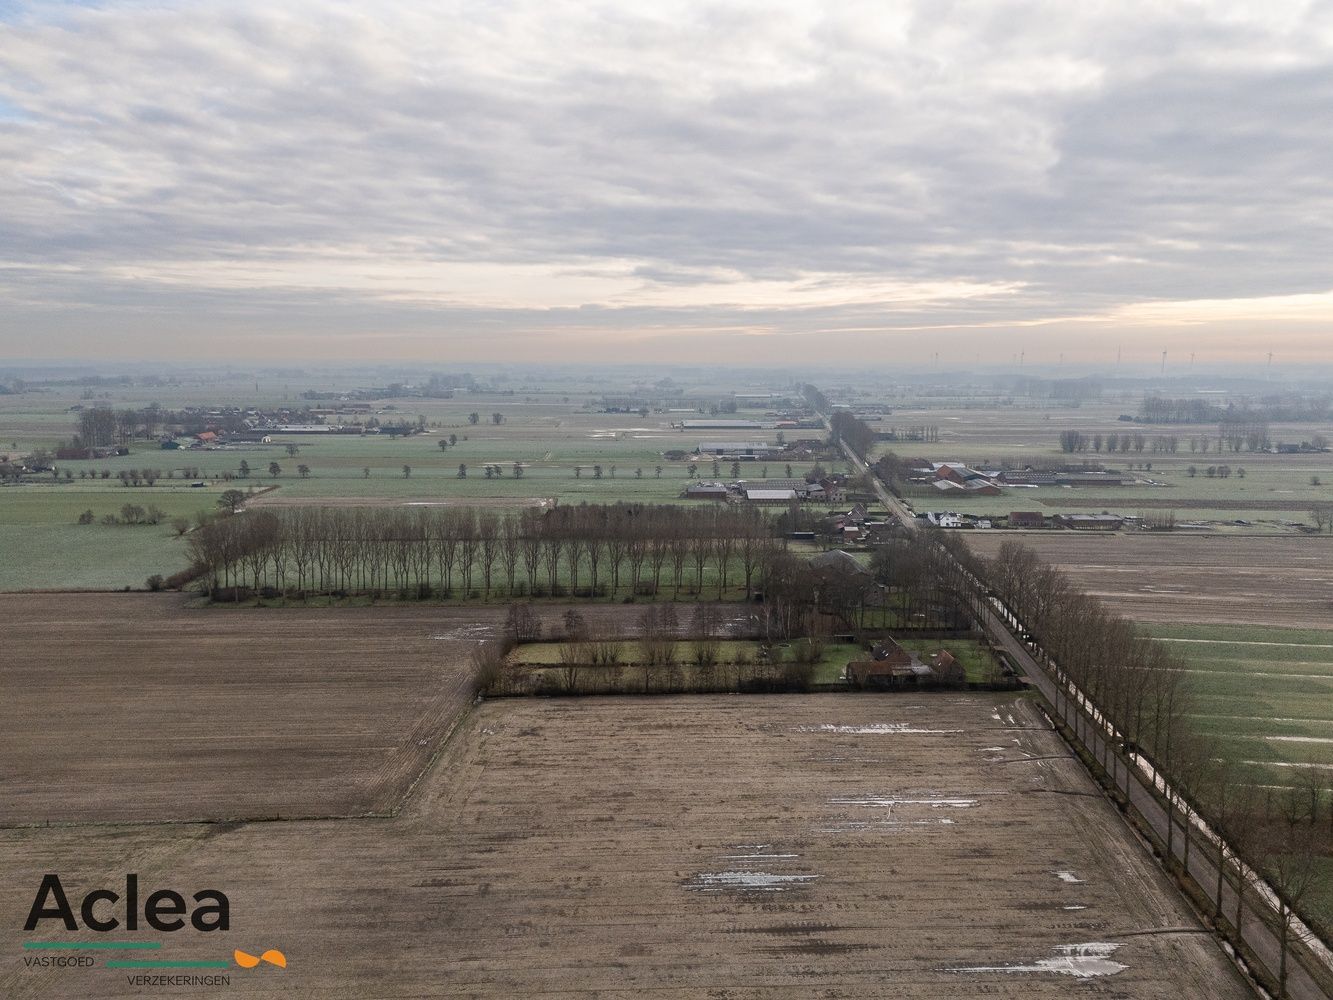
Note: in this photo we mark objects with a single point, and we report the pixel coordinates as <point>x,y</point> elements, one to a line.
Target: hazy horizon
<point>1002,185</point>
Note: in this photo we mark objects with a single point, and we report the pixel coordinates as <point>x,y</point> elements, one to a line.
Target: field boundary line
<point>444,742</point>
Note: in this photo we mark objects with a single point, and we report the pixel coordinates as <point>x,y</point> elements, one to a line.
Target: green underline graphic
<point>81,945</point>
<point>127,964</point>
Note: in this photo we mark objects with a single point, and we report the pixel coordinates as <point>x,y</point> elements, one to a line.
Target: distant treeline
<point>1235,435</point>
<point>1189,410</point>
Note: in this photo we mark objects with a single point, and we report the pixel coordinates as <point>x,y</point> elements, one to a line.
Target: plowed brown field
<point>741,847</point>
<point>1221,579</point>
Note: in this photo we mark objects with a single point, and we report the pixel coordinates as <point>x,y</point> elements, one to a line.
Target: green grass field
<point>553,430</point>
<point>45,549</point>
<point>974,656</point>
<point>998,431</point>
<point>1265,693</point>
<point>829,669</point>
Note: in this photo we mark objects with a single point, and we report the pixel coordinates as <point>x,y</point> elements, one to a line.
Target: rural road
<point>1262,940</point>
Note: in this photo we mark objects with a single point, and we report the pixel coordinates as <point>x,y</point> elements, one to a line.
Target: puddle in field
<point>1288,763</point>
<point>1300,739</point>
<point>467,632</point>
<point>858,825</point>
<point>746,881</point>
<point>1069,877</point>
<point>877,802</point>
<point>757,858</point>
<point>1082,961</point>
<point>875,728</point>
<point>741,876</point>
<point>1077,907</point>
<point>890,820</point>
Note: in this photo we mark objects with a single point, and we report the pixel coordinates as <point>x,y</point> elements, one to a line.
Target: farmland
<point>1170,578</point>
<point>978,662</point>
<point>1266,693</point>
<point>552,445</point>
<point>236,713</point>
<point>1271,492</point>
<point>45,549</point>
<point>746,847</point>
<point>121,706</point>
<point>1250,615</point>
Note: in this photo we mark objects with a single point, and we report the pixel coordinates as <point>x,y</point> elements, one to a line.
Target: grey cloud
<point>1097,159</point>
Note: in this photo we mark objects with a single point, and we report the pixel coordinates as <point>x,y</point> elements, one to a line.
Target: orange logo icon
<point>272,956</point>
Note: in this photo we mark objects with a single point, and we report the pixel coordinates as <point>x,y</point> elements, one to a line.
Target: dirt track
<point>1223,579</point>
<point>694,847</point>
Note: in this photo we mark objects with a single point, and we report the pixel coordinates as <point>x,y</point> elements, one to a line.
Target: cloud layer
<point>582,177</point>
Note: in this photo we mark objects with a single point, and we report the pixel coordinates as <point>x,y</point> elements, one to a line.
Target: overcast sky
<point>762,181</point>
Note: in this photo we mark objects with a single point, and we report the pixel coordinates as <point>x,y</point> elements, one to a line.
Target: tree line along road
<point>1261,939</point>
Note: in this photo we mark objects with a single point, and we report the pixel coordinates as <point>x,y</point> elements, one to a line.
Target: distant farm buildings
<point>767,496</point>
<point>714,424</point>
<point>830,489</point>
<point>745,450</point>
<point>706,491</point>
<point>1028,477</point>
<point>951,477</point>
<point>1091,522</point>
<point>955,477</point>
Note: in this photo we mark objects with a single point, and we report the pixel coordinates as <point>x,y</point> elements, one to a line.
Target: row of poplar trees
<point>1137,690</point>
<point>589,550</point>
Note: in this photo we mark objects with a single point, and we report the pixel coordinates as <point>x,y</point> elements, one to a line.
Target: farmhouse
<point>946,668</point>
<point>945,519</point>
<point>891,666</point>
